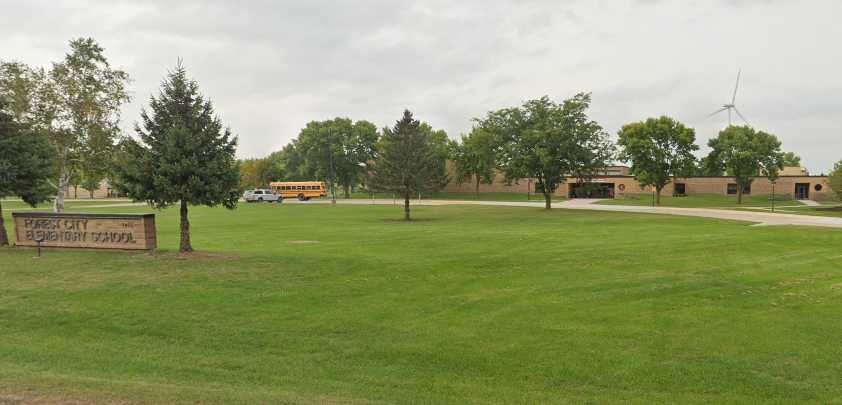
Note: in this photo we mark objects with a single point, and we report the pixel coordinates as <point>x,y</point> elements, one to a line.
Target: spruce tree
<point>409,161</point>
<point>184,155</point>
<point>25,165</point>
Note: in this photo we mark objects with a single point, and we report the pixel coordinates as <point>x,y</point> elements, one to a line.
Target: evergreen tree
<point>25,165</point>
<point>184,154</point>
<point>410,160</point>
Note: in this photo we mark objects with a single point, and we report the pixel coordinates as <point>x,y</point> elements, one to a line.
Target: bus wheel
<point>301,197</point>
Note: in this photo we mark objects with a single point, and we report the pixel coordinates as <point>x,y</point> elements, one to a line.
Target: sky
<point>272,66</point>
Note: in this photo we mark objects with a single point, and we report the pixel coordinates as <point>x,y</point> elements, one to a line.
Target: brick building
<point>104,191</point>
<point>616,182</point>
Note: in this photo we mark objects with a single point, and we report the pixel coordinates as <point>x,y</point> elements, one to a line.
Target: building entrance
<point>802,191</point>
<point>591,190</point>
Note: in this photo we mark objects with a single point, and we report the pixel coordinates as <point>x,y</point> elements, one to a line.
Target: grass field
<point>468,304</point>
<point>823,211</point>
<point>702,201</point>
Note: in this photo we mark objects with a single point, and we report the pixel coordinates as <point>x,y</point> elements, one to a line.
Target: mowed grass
<point>71,204</point>
<point>703,201</point>
<point>468,304</point>
<point>823,211</point>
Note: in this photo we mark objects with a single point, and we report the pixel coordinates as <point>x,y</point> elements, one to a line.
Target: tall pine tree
<point>409,160</point>
<point>25,165</point>
<point>184,154</point>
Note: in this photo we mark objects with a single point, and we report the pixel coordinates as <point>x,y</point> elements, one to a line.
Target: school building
<point>617,182</point>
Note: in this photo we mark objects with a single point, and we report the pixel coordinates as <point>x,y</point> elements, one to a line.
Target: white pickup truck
<point>261,195</point>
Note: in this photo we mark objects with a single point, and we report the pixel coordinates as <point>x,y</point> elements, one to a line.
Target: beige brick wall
<point>82,193</point>
<point>785,185</point>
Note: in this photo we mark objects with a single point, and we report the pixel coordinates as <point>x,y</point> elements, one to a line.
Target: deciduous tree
<point>410,159</point>
<point>835,180</point>
<point>85,94</point>
<point>791,159</point>
<point>475,158</point>
<point>549,142</point>
<point>184,155</point>
<point>76,104</point>
<point>24,164</point>
<point>744,153</point>
<point>659,149</point>
<point>336,150</point>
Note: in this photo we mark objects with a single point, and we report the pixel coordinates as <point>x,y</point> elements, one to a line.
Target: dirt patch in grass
<point>403,221</point>
<point>199,255</point>
<point>303,242</point>
<point>38,399</point>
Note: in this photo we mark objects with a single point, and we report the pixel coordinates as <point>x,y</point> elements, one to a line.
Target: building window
<point>679,189</point>
<point>732,188</point>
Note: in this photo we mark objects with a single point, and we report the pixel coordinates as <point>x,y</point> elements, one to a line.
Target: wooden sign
<point>93,231</point>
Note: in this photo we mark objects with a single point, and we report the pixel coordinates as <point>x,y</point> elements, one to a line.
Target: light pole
<point>773,197</point>
<point>370,192</point>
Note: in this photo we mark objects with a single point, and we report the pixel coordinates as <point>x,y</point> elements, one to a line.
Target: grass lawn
<point>702,201</point>
<point>468,304</point>
<point>823,211</point>
<point>466,196</point>
<point>20,205</point>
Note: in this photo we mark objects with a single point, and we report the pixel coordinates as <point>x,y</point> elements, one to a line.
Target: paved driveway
<point>758,218</point>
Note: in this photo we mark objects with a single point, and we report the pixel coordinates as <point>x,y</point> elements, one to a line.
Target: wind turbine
<point>732,105</point>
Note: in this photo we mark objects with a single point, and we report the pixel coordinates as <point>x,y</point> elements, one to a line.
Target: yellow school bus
<point>302,190</point>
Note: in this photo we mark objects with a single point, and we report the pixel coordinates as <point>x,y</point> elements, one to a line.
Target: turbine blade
<point>736,86</point>
<point>717,111</point>
<point>741,116</point>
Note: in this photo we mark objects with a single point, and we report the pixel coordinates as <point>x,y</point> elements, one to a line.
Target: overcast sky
<point>272,66</point>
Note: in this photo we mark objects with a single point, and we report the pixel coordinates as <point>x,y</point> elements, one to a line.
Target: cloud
<point>270,67</point>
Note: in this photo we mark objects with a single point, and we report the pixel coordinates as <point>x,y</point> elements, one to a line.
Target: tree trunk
<point>739,193</point>
<point>4,238</point>
<point>347,191</point>
<point>75,192</point>
<point>185,230</point>
<point>406,206</point>
<point>548,200</point>
<point>92,194</point>
<point>658,195</point>
<point>58,206</point>
<point>477,188</point>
